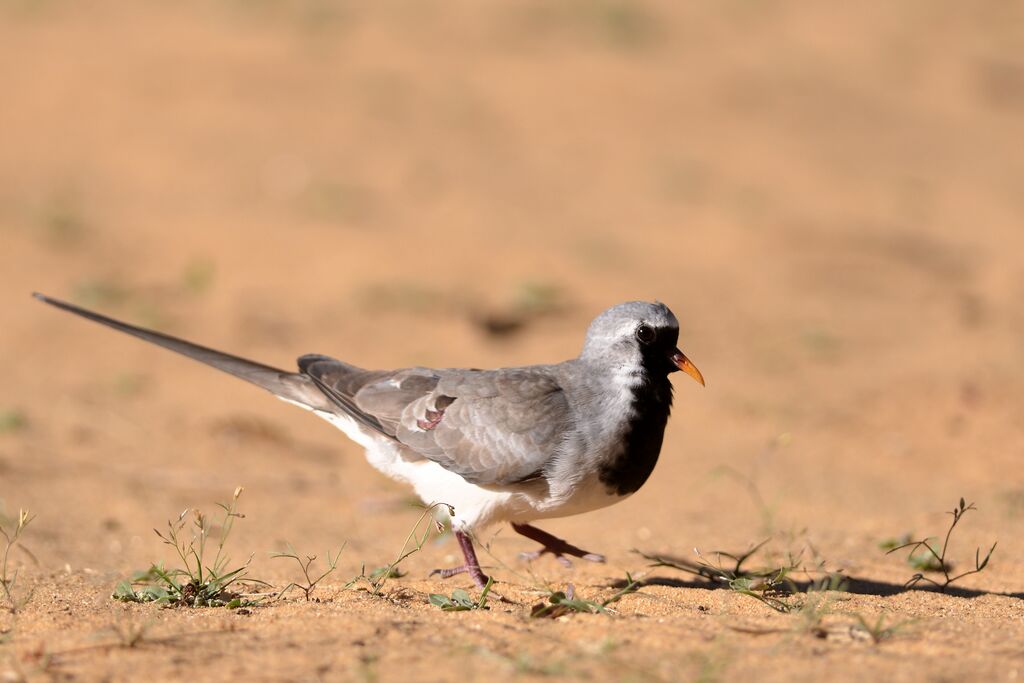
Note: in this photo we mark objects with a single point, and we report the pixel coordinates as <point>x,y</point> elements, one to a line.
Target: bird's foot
<point>560,555</point>
<point>475,573</point>
<point>450,572</point>
<point>472,566</point>
<point>554,546</point>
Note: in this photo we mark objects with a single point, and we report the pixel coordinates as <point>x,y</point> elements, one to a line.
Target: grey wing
<point>339,383</point>
<point>494,427</point>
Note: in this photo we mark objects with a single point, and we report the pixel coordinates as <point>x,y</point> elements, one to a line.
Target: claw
<point>448,573</point>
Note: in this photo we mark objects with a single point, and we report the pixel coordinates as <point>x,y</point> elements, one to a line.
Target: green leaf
<point>984,563</point>
<point>925,562</point>
<point>151,593</point>
<point>579,605</point>
<point>439,600</point>
<point>387,572</point>
<point>482,603</point>
<point>124,591</point>
<point>12,420</point>
<point>461,597</point>
<point>742,583</point>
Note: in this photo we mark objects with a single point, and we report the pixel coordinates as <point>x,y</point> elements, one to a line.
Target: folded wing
<point>491,427</point>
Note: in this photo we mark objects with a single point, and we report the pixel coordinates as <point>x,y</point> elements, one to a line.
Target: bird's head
<point>638,335</point>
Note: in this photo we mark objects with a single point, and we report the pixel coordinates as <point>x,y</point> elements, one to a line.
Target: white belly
<point>476,507</point>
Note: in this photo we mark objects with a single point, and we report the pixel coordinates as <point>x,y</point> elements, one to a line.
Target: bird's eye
<point>645,333</point>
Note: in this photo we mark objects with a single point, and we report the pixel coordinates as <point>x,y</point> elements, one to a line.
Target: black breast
<point>627,472</point>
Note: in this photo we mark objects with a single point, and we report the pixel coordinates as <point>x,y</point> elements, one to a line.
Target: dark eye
<point>645,333</point>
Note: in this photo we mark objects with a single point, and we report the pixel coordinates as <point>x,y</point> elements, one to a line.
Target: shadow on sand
<point>713,578</point>
<point>852,584</point>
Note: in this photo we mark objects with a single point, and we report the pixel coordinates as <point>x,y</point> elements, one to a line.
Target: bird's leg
<point>554,545</point>
<point>472,566</point>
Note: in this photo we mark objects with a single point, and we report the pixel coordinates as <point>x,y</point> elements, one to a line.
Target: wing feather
<point>493,427</point>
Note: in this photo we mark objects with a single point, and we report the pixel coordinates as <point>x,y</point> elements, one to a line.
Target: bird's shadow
<point>853,585</point>
<point>706,577</point>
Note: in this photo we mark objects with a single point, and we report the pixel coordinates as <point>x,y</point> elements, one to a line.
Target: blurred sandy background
<point>829,196</point>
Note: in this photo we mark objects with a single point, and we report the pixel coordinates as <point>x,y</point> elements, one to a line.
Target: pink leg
<point>553,545</point>
<point>472,565</point>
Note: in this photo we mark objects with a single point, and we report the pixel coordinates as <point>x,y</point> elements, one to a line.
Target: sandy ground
<point>829,197</point>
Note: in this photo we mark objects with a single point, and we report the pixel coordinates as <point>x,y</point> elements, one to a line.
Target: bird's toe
<point>449,572</point>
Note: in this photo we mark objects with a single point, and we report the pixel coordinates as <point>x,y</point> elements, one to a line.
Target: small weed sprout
<point>764,591</point>
<point>770,585</point>
<point>761,584</point>
<point>8,577</point>
<point>12,420</point>
<point>877,631</point>
<point>937,557</point>
<point>129,634</point>
<point>35,664</point>
<point>715,572</point>
<point>921,561</point>
<point>388,572</point>
<point>198,277</point>
<point>305,564</point>
<point>562,603</point>
<point>414,542</point>
<point>460,600</point>
<point>811,614</point>
<point>196,583</point>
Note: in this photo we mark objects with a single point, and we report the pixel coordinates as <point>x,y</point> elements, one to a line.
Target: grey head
<point>637,336</point>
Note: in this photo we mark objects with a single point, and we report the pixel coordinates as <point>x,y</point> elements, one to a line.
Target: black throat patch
<point>652,403</point>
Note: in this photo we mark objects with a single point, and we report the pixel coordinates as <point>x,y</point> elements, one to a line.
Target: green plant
<point>12,420</point>
<point>129,634</point>
<point>101,292</point>
<point>414,542</point>
<point>565,602</point>
<point>878,630</point>
<point>537,298</point>
<point>757,583</point>
<point>766,590</point>
<point>811,611</point>
<point>11,531</point>
<point>460,600</point>
<point>196,583</point>
<point>923,561</point>
<point>61,219</point>
<point>387,572</point>
<point>37,663</point>
<point>198,277</point>
<point>771,585</point>
<point>937,557</point>
<point>310,584</point>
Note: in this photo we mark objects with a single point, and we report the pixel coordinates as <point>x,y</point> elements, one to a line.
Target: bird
<point>516,444</point>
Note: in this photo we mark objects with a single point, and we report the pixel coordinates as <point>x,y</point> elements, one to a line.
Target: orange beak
<point>684,364</point>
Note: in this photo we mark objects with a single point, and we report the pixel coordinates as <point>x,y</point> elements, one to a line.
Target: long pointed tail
<point>289,386</point>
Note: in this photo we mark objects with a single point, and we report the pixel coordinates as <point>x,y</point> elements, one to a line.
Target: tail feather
<point>290,386</point>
